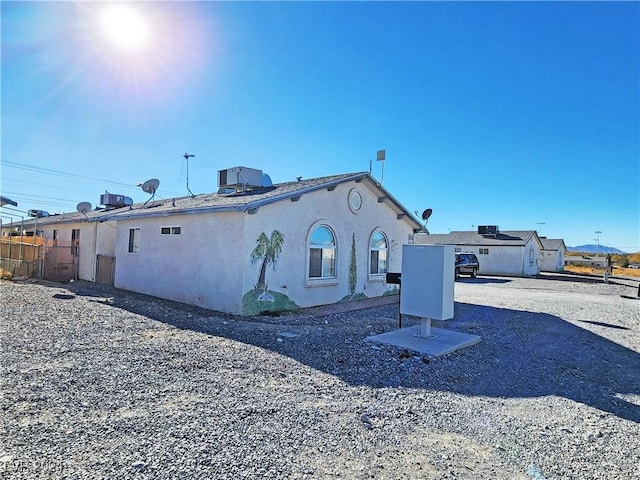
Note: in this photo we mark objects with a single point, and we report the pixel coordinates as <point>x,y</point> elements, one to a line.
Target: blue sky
<point>524,115</point>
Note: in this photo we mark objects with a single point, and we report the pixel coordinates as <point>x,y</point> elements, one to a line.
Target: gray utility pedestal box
<point>428,281</point>
<point>426,292</point>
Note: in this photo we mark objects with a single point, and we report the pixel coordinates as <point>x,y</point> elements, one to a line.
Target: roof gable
<point>553,244</point>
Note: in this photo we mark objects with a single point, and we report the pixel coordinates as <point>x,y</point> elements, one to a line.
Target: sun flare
<point>141,52</point>
<point>125,28</point>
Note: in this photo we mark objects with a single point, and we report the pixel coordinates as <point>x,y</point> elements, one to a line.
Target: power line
<point>49,171</point>
<point>30,183</point>
<point>44,204</point>
<point>27,196</point>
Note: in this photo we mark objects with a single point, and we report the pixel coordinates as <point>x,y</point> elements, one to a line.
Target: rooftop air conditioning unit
<point>38,213</point>
<point>240,178</point>
<point>491,230</point>
<point>115,201</point>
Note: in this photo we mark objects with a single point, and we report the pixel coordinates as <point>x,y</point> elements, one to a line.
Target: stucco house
<point>83,245</point>
<point>511,253</point>
<point>593,261</point>
<point>250,247</point>
<point>552,254</point>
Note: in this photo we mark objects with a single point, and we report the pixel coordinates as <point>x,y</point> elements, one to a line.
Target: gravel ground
<point>99,383</point>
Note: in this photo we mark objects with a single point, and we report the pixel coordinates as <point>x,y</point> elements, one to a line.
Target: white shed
<point>552,254</point>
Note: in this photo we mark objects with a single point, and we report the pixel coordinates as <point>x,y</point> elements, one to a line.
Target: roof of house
<point>553,244</point>
<point>514,238</point>
<point>249,201</point>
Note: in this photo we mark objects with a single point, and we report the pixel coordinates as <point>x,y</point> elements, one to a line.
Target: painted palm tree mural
<point>267,250</point>
<point>260,299</point>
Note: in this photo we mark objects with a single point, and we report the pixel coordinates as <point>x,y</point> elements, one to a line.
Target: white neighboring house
<point>552,254</point>
<point>510,253</point>
<point>80,241</point>
<point>330,239</point>
<point>581,260</point>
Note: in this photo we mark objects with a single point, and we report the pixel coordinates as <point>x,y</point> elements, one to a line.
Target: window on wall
<point>134,240</point>
<point>531,257</point>
<point>55,236</point>
<point>322,253</point>
<point>170,231</point>
<point>378,249</point>
<point>484,251</point>
<point>75,241</point>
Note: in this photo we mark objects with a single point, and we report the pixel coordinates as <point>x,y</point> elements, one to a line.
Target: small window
<point>322,253</point>
<point>170,230</point>
<point>75,241</point>
<point>484,251</point>
<point>378,250</point>
<point>458,249</point>
<point>134,240</point>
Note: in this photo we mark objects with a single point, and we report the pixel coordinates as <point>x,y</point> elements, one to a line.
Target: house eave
<point>251,207</point>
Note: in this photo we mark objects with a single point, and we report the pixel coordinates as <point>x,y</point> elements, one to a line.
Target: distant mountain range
<point>596,249</point>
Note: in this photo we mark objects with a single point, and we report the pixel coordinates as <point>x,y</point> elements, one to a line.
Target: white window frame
<point>326,252</point>
<point>171,230</point>
<point>134,241</point>
<point>378,273</point>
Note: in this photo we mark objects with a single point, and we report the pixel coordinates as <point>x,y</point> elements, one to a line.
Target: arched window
<point>322,253</point>
<point>378,248</point>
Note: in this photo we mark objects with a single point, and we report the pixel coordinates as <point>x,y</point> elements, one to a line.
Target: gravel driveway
<point>99,383</point>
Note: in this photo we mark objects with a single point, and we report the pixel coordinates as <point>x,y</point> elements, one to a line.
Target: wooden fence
<point>21,256</point>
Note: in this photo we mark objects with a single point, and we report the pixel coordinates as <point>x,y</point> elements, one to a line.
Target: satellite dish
<point>426,214</point>
<point>150,186</point>
<point>83,207</point>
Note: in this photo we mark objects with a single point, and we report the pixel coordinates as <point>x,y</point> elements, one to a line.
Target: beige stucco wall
<point>506,260</point>
<point>86,258</point>
<point>551,260</point>
<point>296,220</point>
<point>209,263</point>
<point>106,241</point>
<point>509,260</point>
<point>200,266</point>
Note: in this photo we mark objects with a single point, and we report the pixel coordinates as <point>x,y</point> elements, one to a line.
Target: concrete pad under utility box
<point>439,343</point>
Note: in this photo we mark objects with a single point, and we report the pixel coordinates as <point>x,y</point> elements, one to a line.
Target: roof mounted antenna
<point>187,156</point>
